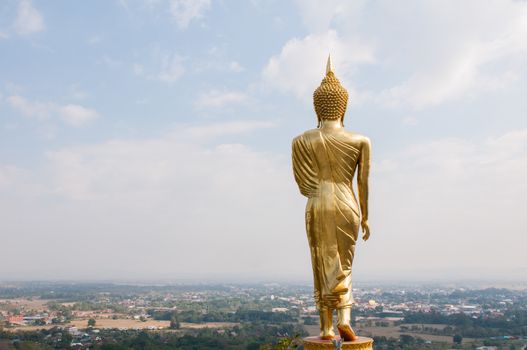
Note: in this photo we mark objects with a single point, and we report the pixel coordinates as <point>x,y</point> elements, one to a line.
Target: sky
<point>150,139</point>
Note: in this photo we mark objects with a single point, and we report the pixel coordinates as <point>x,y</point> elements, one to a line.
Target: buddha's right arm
<point>362,178</point>
<point>302,167</point>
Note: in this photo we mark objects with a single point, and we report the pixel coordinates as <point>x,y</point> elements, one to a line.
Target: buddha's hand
<point>365,230</point>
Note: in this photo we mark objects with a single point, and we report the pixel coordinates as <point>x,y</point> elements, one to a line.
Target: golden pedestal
<point>315,343</point>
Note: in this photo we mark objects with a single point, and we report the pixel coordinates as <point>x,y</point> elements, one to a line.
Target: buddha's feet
<point>326,324</point>
<point>327,335</point>
<point>347,333</point>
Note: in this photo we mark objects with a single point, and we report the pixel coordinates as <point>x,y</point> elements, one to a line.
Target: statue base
<point>315,343</point>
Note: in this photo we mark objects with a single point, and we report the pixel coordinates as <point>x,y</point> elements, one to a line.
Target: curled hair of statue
<point>330,99</point>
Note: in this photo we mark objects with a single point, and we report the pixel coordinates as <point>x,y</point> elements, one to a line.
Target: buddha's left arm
<point>362,183</point>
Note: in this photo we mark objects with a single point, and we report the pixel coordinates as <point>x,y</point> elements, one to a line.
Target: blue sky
<point>151,138</point>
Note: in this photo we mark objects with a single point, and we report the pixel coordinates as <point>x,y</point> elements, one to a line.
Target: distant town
<point>109,316</point>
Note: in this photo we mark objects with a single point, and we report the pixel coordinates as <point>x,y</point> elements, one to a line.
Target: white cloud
<point>95,39</point>
<point>185,11</point>
<point>38,110</point>
<point>185,192</point>
<point>77,115</point>
<point>219,99</point>
<point>28,19</point>
<point>3,35</point>
<point>136,167</point>
<point>181,193</point>
<point>438,52</point>
<point>9,175</point>
<point>217,62</point>
<point>236,67</point>
<point>109,61</point>
<point>213,130</point>
<point>72,114</point>
<point>138,69</point>
<point>77,92</point>
<point>171,68</point>
<point>218,59</point>
<point>452,57</point>
<point>301,64</point>
<point>410,120</point>
<point>319,16</point>
<point>124,5</point>
<point>152,3</point>
<point>163,66</point>
<point>467,69</point>
<point>454,199</point>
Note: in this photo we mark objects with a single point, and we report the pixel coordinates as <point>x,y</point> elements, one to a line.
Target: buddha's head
<point>330,98</point>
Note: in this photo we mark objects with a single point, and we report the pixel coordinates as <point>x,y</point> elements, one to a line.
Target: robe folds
<point>324,165</point>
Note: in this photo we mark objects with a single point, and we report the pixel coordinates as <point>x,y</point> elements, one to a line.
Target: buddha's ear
<point>344,114</point>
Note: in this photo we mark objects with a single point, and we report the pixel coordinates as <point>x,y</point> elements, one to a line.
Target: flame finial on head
<point>329,65</point>
<point>330,98</point>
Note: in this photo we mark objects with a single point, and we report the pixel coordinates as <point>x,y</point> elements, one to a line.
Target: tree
<point>406,339</point>
<point>174,321</point>
<point>457,338</point>
<point>310,320</point>
<point>91,322</point>
<point>286,343</point>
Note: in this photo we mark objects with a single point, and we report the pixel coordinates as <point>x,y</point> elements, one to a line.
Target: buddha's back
<point>335,153</point>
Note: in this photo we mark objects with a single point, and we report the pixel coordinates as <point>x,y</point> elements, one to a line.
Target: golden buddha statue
<point>325,160</point>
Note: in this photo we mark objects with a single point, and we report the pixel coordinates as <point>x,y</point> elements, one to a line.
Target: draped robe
<point>324,165</point>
